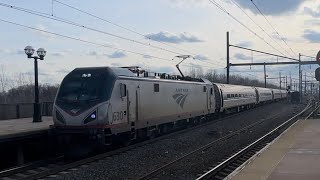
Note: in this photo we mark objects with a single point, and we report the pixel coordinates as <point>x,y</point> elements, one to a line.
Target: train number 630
<point>117,116</point>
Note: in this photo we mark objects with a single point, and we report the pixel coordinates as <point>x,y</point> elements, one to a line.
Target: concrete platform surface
<point>23,127</point>
<point>293,156</point>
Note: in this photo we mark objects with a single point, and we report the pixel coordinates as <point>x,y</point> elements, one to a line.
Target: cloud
<point>116,64</point>
<point>276,36</point>
<point>43,74</point>
<point>173,38</point>
<point>19,52</point>
<point>42,28</point>
<point>92,53</point>
<point>241,56</point>
<point>116,55</point>
<point>63,71</point>
<point>57,54</point>
<point>163,69</point>
<point>271,7</point>
<point>245,44</point>
<point>312,22</point>
<point>311,12</point>
<point>147,56</point>
<point>201,57</point>
<point>6,51</point>
<point>312,36</point>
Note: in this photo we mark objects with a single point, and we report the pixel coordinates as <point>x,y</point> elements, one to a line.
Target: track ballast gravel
<point>134,164</point>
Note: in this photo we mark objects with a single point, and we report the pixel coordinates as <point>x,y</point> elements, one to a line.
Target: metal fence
<point>23,110</point>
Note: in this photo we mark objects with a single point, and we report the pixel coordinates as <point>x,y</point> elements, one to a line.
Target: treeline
<point>25,94</point>
<point>21,90</point>
<point>213,76</point>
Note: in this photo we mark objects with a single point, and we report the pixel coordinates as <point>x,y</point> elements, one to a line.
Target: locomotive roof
<point>126,73</point>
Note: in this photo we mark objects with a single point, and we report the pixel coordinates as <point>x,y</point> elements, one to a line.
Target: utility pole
<point>300,78</point>
<point>280,79</point>
<point>228,59</point>
<point>286,83</point>
<point>265,76</point>
<point>290,79</point>
<point>305,82</point>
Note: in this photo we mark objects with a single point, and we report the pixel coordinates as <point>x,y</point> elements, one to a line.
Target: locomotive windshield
<point>86,85</point>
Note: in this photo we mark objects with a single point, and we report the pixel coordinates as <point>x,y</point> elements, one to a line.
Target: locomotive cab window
<point>123,90</point>
<point>156,88</point>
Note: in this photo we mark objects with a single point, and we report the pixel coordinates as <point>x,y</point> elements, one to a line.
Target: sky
<point>149,34</point>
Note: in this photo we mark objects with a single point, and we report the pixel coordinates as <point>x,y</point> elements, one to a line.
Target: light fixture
<point>41,53</point>
<point>29,51</point>
<point>36,106</point>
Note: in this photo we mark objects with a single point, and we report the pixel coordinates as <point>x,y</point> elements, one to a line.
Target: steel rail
<point>31,166</point>
<point>230,135</point>
<point>214,171</point>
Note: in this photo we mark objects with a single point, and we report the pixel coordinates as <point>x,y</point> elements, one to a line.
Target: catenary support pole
<point>228,59</point>
<point>265,76</point>
<point>300,78</point>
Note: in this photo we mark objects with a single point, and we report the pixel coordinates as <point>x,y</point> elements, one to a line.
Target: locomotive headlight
<point>91,117</point>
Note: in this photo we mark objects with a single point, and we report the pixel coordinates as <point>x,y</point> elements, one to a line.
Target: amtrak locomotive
<point>108,104</point>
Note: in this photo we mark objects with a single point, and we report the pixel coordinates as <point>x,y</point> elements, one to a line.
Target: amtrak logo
<point>180,99</point>
<point>74,111</point>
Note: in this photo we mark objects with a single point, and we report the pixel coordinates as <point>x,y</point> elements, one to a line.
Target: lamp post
<point>36,106</point>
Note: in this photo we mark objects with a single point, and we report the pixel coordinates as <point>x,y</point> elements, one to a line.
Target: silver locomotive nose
<point>96,115</point>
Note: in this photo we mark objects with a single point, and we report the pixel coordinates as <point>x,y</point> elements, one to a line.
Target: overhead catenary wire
<point>63,20</point>
<point>55,18</point>
<point>90,42</point>
<point>78,39</point>
<point>281,37</point>
<point>242,24</point>
<point>235,3</point>
<point>126,28</point>
<point>122,27</point>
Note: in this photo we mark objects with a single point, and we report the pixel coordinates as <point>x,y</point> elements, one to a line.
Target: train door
<point>132,101</point>
<point>257,95</point>
<point>272,95</point>
<point>208,97</point>
<point>211,98</point>
<point>132,106</point>
<point>217,96</point>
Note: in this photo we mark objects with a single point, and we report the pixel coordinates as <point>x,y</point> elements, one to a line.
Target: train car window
<point>228,95</point>
<point>211,91</point>
<point>156,88</point>
<point>239,95</point>
<point>123,90</point>
<point>232,95</point>
<point>204,88</point>
<point>236,95</point>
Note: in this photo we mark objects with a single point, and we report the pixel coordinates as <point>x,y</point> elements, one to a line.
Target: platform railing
<point>23,110</point>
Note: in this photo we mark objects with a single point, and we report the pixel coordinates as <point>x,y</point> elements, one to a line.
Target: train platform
<point>292,156</point>
<point>23,128</point>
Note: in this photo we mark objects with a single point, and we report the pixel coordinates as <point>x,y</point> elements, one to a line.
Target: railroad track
<point>225,168</point>
<point>212,144</point>
<point>44,168</point>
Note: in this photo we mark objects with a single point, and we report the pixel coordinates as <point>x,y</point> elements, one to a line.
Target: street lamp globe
<point>29,51</point>
<point>41,53</point>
